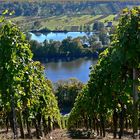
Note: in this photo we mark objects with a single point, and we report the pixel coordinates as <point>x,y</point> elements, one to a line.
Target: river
<point>62,70</point>
<point>40,37</point>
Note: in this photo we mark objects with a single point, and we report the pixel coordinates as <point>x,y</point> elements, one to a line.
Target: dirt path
<point>61,134</point>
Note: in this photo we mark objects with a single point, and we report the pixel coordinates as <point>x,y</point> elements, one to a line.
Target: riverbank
<point>49,31</point>
<point>95,57</point>
<point>46,31</point>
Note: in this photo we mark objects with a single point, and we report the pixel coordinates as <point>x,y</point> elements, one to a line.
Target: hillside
<point>65,7</point>
<point>64,14</point>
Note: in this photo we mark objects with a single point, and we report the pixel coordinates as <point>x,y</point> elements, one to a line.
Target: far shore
<point>58,31</point>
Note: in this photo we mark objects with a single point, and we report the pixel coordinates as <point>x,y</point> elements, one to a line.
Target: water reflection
<point>64,70</point>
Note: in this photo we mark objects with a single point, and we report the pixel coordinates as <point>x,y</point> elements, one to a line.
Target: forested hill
<point>54,8</point>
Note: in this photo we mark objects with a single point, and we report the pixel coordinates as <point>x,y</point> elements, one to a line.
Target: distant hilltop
<point>47,8</point>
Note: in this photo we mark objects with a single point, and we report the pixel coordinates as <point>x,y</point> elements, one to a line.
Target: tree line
<point>44,8</point>
<point>70,48</point>
<point>110,99</point>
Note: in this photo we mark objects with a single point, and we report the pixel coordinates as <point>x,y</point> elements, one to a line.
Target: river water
<point>62,70</point>
<point>78,68</point>
<point>57,36</point>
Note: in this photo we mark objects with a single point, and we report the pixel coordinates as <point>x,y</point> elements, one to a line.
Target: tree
<point>71,47</point>
<point>66,92</point>
<point>98,26</point>
<point>104,37</point>
<point>96,45</point>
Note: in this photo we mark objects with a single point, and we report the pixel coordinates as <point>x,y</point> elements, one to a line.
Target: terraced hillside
<point>64,15</point>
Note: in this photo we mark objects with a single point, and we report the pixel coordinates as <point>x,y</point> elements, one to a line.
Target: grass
<point>108,18</point>
<point>66,22</point>
<point>69,23</point>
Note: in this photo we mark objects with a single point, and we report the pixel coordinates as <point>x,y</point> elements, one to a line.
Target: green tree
<point>66,92</point>
<point>104,37</point>
<point>98,26</point>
